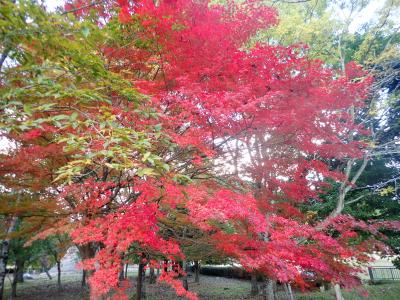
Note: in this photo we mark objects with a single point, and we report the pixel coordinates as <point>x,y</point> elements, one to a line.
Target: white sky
<point>52,4</point>
<point>368,13</point>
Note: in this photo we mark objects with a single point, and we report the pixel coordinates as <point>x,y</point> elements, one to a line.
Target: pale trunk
<point>126,271</point>
<point>268,293</point>
<point>288,291</point>
<point>338,292</point>
<point>5,250</point>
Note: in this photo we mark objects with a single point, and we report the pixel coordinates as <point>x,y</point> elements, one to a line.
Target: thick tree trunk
<point>152,279</point>
<point>20,263</point>
<point>14,285</point>
<point>140,286</point>
<point>4,253</point>
<point>196,271</point>
<point>254,284</point>
<point>268,290</point>
<point>59,275</point>
<point>184,277</point>
<point>18,273</point>
<point>288,291</point>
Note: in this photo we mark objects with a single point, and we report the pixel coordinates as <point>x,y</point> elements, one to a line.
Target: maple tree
<point>122,120</point>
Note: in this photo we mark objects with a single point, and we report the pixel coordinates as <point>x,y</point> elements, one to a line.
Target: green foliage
<point>56,75</point>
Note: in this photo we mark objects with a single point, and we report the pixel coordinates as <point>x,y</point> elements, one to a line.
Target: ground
<point>210,288</point>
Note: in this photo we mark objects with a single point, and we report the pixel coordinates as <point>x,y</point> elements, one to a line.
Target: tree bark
<point>165,265</point>
<point>18,273</point>
<point>184,277</point>
<point>254,284</point>
<point>140,286</point>
<point>59,275</point>
<point>152,279</point>
<point>288,291</point>
<point>86,251</point>
<point>196,271</point>
<point>4,253</point>
<point>47,272</point>
<point>121,272</point>
<point>291,295</point>
<point>20,267</point>
<point>83,281</point>
<point>338,292</point>
<point>14,285</point>
<point>268,290</point>
<point>126,271</point>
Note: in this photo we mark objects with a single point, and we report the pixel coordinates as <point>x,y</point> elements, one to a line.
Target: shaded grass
<point>210,288</point>
<point>386,291</point>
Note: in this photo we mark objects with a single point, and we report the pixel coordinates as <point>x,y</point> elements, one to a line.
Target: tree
<point>230,99</point>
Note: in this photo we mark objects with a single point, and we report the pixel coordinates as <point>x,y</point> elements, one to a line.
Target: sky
<point>368,13</point>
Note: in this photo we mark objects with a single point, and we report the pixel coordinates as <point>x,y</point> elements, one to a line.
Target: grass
<point>210,288</point>
<point>386,291</point>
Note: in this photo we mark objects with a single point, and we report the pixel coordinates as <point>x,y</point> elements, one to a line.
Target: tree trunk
<point>268,290</point>
<point>140,287</point>
<point>20,263</point>
<point>47,272</point>
<point>59,275</point>
<point>184,277</point>
<point>288,291</point>
<point>254,284</point>
<point>20,277</point>
<point>126,271</point>
<point>196,271</point>
<point>291,295</point>
<point>152,279</point>
<point>86,251</point>
<point>338,292</point>
<point>83,282</point>
<point>14,285</point>
<point>165,265</point>
<point>121,272</point>
<point>4,252</point>
<point>18,273</point>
